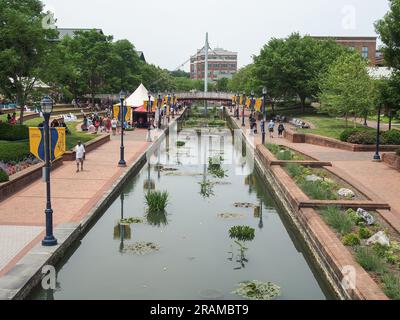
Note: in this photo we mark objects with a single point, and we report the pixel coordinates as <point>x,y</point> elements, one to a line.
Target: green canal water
<point>196,257</point>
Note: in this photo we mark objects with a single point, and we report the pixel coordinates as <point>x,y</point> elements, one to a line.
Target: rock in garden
<point>346,193</point>
<point>313,178</point>
<point>380,238</point>
<point>366,216</point>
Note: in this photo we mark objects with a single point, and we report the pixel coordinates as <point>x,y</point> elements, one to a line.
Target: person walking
<point>80,155</point>
<point>271,128</point>
<point>114,125</point>
<point>281,128</point>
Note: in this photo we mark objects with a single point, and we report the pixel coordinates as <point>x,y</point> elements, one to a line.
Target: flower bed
<point>320,184</point>
<point>373,243</point>
<point>14,167</point>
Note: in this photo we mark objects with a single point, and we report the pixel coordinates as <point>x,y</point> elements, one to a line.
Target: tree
<point>222,84</point>
<point>294,65</point>
<point>243,80</point>
<point>23,45</point>
<point>347,89</point>
<point>389,30</point>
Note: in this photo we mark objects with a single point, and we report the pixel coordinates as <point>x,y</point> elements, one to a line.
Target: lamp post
<point>390,119</point>
<point>244,105</point>
<point>148,120</point>
<point>122,97</point>
<point>377,157</point>
<point>264,117</point>
<point>173,106</point>
<point>159,103</point>
<point>237,106</point>
<point>168,107</point>
<point>47,108</point>
<point>252,103</point>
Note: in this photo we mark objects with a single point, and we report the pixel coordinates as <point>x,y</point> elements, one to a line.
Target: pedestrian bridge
<point>211,96</point>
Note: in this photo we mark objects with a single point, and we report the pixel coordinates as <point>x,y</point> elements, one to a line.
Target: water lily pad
<point>245,205</point>
<point>231,216</point>
<point>257,290</point>
<point>131,220</point>
<point>141,248</point>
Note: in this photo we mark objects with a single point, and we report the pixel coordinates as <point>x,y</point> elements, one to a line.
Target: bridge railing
<point>203,95</point>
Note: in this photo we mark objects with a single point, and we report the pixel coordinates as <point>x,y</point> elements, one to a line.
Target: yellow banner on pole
<point>58,143</point>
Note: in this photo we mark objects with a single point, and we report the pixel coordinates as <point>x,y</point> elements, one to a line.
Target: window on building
<point>364,52</point>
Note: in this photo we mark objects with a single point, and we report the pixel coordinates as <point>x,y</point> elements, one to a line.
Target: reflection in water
<point>157,219</point>
<point>122,231</point>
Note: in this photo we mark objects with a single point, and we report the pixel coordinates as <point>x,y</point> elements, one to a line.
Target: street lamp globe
<point>46,105</point>
<point>264,90</point>
<point>122,95</point>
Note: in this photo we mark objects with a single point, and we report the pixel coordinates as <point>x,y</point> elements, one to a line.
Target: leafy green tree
<point>23,45</point>
<point>293,65</point>
<point>347,89</point>
<point>243,80</point>
<point>389,30</point>
<point>222,84</point>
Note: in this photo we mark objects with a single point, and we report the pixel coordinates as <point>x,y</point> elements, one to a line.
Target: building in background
<point>221,64</point>
<point>366,46</point>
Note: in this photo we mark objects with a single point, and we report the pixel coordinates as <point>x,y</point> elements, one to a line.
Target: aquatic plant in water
<point>214,167</point>
<point>242,233</point>
<point>257,290</point>
<point>156,201</point>
<point>131,220</point>
<point>206,188</point>
<point>141,248</point>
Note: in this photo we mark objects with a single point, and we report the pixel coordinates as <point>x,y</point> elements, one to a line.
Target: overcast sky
<point>169,31</point>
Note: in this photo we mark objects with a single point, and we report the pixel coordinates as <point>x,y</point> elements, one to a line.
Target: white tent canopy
<point>138,97</point>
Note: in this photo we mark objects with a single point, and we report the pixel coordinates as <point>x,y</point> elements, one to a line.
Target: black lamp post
<point>264,118</point>
<point>237,106</point>
<point>244,106</point>
<point>252,103</point>
<point>122,97</point>
<point>148,120</point>
<point>173,106</point>
<point>47,108</point>
<point>390,119</point>
<point>377,157</point>
<point>159,103</point>
<point>169,107</point>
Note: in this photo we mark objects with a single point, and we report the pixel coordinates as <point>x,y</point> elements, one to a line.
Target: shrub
<point>156,201</point>
<point>364,233</point>
<point>285,155</point>
<point>13,151</point>
<point>380,250</point>
<point>191,122</point>
<point>351,240</point>
<point>274,148</point>
<point>345,135</point>
<point>3,176</point>
<point>354,216</point>
<point>370,261</point>
<point>391,137</point>
<point>13,132</point>
<point>339,221</point>
<point>391,285</point>
<point>217,123</point>
<point>294,170</point>
<point>318,190</point>
<point>365,137</point>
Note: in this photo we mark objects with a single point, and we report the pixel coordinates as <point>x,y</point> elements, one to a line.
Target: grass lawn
<point>327,126</point>
<point>384,119</point>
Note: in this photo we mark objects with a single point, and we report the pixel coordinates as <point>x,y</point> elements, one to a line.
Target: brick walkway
<point>22,218</point>
<point>377,177</point>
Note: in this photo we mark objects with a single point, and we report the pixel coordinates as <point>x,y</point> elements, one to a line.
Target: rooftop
<point>216,51</point>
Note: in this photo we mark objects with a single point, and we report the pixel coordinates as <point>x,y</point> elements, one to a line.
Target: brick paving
<point>22,218</point>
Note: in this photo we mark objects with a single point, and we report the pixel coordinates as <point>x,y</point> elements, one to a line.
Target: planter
<point>392,160</point>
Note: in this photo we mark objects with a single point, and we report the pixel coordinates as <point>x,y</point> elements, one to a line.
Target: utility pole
<point>206,72</point>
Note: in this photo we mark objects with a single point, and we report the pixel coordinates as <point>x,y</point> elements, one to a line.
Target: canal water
<point>196,259</point>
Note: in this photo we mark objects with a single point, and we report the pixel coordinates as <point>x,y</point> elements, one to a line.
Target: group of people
<point>12,119</point>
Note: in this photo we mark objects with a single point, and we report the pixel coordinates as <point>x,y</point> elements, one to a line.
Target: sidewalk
<point>376,176</point>
<point>22,219</point>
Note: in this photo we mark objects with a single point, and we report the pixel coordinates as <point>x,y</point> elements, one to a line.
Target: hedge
<point>368,136</point>
<point>13,151</point>
<point>13,132</point>
<point>3,176</point>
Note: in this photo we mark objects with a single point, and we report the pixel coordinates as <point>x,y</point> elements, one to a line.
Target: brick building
<point>366,46</point>
<point>221,64</point>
